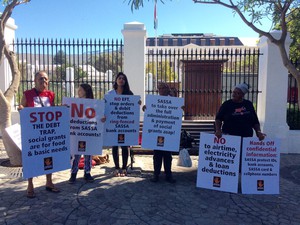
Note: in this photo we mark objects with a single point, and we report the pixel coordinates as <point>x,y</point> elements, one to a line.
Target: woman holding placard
<point>84,91</point>
<point>120,87</point>
<point>237,116</point>
<point>160,156</point>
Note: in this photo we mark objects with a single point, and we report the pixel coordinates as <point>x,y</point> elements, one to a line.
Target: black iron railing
<point>69,63</point>
<point>205,77</point>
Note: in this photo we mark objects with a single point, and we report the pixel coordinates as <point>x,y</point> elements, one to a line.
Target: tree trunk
<point>13,152</point>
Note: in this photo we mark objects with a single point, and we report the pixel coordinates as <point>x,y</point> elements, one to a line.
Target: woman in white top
<point>121,87</point>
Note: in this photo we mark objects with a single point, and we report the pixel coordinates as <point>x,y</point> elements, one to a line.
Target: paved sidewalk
<point>135,200</point>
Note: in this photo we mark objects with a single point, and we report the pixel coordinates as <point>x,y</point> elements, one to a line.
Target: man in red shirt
<point>39,96</point>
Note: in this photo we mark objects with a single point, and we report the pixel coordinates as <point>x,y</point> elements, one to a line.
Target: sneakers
<point>72,179</point>
<point>88,177</point>
<point>154,179</point>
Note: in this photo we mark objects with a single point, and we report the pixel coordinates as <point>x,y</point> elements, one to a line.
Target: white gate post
<point>273,83</point>
<point>149,82</point>
<point>134,56</point>
<point>70,82</point>
<point>109,77</point>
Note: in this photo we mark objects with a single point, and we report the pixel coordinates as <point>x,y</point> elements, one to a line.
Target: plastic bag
<point>184,158</point>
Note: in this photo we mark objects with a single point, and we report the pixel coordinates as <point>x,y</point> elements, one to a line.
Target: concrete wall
<point>272,102</point>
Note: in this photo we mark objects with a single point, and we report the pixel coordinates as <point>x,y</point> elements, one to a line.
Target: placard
<point>162,123</point>
<point>260,166</point>
<point>122,120</point>
<point>86,128</point>
<point>14,133</point>
<point>218,166</point>
<point>45,140</point>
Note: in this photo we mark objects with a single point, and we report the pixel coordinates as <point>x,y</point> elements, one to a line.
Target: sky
<point>94,19</point>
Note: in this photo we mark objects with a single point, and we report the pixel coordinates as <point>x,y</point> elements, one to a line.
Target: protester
<point>173,92</point>
<point>120,87</point>
<point>39,96</point>
<point>237,116</point>
<point>84,91</point>
<point>160,156</point>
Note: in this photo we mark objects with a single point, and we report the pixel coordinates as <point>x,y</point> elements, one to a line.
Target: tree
<point>107,61</point>
<point>293,26</point>
<point>7,96</point>
<point>251,12</point>
<point>294,29</point>
<point>162,71</point>
<point>60,58</point>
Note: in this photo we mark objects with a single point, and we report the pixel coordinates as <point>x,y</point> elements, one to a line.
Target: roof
<point>199,39</point>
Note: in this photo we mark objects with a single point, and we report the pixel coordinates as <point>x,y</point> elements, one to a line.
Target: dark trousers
<point>115,153</point>
<point>158,158</point>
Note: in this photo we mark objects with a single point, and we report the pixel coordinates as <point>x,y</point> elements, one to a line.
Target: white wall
<point>272,101</point>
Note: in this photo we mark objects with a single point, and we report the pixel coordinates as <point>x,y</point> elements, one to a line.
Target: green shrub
<point>293,118</point>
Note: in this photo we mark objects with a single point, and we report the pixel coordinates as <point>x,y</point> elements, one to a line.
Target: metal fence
<point>68,64</point>
<point>204,77</point>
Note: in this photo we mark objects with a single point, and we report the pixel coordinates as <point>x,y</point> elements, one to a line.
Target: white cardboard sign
<point>14,133</point>
<point>218,167</point>
<point>122,120</point>
<point>260,166</point>
<point>162,123</point>
<point>86,128</point>
<point>45,140</point>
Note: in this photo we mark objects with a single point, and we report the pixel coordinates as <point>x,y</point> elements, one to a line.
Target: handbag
<point>184,158</point>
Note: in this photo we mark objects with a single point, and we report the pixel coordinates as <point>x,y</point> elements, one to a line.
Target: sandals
<point>123,173</point>
<point>52,189</point>
<point>30,194</point>
<point>107,158</point>
<point>117,173</point>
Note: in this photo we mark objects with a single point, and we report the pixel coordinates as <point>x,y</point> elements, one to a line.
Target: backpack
<point>186,139</point>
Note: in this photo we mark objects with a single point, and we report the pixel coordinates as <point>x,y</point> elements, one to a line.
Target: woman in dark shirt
<point>237,116</point>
